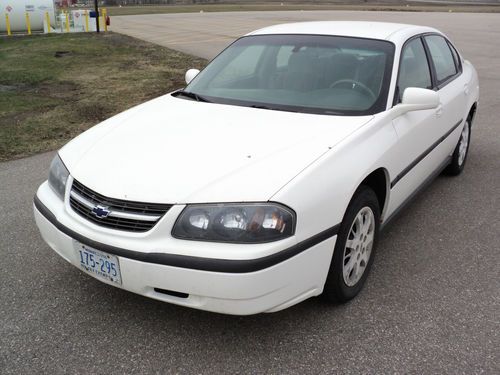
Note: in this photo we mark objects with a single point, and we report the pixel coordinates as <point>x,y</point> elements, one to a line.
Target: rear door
<point>452,88</point>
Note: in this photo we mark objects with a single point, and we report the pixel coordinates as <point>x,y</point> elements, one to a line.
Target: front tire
<point>355,247</point>
<point>459,156</point>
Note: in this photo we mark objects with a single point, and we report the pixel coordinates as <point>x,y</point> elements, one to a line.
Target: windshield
<point>300,73</point>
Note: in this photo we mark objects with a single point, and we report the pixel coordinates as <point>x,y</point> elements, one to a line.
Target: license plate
<point>98,263</point>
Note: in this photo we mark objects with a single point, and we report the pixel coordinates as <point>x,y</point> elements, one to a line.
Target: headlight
<point>235,223</point>
<point>58,176</point>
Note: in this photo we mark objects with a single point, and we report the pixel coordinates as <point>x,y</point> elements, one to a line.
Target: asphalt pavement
<point>431,303</point>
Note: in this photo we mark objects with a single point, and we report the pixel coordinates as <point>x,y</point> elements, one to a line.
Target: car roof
<point>362,29</point>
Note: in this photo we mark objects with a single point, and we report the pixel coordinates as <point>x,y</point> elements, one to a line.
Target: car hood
<point>172,150</point>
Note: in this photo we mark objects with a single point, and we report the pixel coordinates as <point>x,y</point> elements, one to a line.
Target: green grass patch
<point>46,100</point>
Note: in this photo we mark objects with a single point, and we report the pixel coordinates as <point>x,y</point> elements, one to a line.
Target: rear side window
<point>414,70</point>
<point>456,57</point>
<point>442,56</point>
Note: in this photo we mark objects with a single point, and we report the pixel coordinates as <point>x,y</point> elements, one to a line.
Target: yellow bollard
<point>104,13</point>
<point>87,21</point>
<point>47,19</point>
<point>7,23</point>
<point>67,22</point>
<point>28,23</point>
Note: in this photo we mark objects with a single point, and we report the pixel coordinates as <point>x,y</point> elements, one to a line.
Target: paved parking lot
<point>431,305</point>
<point>206,34</point>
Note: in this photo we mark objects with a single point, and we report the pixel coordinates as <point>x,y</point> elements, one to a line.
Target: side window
<point>443,59</point>
<point>456,57</point>
<point>413,69</point>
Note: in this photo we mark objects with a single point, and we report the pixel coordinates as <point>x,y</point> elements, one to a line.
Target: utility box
<point>80,20</point>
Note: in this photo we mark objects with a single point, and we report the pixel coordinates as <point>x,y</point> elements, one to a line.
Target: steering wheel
<point>355,84</point>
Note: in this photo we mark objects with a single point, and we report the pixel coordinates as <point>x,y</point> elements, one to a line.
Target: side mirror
<point>416,99</point>
<point>190,74</point>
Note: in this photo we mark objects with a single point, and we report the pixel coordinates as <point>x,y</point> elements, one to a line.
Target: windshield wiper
<point>191,95</point>
<point>263,106</point>
<point>260,106</point>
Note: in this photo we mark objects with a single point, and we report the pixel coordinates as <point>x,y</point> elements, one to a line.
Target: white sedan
<point>267,179</point>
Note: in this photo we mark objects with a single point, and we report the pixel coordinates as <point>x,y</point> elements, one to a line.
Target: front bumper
<point>232,286</point>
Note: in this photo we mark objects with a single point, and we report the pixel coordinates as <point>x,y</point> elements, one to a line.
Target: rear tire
<point>459,156</point>
<point>355,247</point>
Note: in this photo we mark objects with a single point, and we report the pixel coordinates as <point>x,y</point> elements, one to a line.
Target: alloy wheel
<point>358,246</point>
<point>464,144</point>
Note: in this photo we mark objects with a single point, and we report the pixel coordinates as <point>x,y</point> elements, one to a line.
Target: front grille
<point>121,214</point>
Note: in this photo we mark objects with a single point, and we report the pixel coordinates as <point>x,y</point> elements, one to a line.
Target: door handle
<point>466,89</point>
<point>439,110</point>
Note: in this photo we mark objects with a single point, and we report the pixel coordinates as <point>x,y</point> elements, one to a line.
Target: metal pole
<point>28,23</point>
<point>47,19</point>
<point>96,7</point>
<point>7,24</point>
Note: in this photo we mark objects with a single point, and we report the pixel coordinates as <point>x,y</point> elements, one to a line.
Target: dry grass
<point>47,100</point>
<point>272,6</point>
